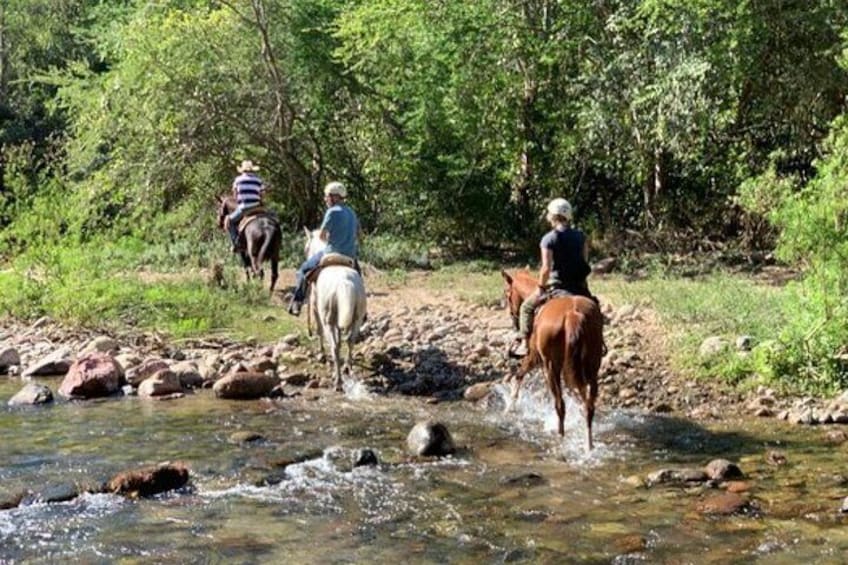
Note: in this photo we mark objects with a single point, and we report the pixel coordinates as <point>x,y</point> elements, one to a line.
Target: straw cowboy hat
<point>247,167</point>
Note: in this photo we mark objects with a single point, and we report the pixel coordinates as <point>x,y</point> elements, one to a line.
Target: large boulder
<point>163,383</point>
<point>93,375</point>
<point>148,481</point>
<point>56,363</point>
<point>245,386</point>
<point>32,394</point>
<point>430,438</point>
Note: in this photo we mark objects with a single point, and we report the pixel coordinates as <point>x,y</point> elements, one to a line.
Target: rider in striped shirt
<point>247,189</point>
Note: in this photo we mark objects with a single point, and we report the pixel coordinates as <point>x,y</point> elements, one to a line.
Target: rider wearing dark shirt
<point>565,266</point>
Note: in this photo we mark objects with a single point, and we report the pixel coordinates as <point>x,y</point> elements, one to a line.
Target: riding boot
<point>520,348</point>
<point>295,307</point>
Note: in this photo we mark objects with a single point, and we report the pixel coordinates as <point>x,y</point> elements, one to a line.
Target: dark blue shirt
<point>569,269</point>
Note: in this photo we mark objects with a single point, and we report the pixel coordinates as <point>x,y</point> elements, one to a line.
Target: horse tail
<point>573,326</point>
<point>349,308</point>
<point>263,251</point>
<point>346,306</point>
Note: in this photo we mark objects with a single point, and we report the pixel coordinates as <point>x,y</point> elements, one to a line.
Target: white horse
<point>338,299</point>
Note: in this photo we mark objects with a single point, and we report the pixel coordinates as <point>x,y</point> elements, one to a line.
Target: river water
<point>513,492</point>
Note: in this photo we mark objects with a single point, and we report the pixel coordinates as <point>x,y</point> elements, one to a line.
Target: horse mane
<point>524,282</point>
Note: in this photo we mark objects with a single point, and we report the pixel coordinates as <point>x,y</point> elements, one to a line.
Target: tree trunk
<point>4,68</point>
<point>4,82</point>
<point>654,185</point>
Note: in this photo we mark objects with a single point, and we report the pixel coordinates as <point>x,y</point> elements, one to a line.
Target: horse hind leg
<point>335,349</point>
<point>590,395</point>
<point>274,274</point>
<point>553,374</point>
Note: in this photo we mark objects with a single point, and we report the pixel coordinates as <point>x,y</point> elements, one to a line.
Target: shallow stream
<point>513,492</point>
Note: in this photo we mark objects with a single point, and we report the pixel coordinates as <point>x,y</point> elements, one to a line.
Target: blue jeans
<point>300,276</point>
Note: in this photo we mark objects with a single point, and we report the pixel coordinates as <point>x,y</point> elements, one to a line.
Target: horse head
<point>517,288</point>
<point>226,206</point>
<point>313,243</point>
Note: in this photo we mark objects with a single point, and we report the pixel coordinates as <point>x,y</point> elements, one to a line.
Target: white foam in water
<point>355,390</point>
<point>534,416</point>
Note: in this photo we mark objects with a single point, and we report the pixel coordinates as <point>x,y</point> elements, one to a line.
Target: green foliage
<point>125,285</point>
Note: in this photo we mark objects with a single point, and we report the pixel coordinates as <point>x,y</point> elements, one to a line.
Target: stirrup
<point>513,354</point>
<point>295,307</point>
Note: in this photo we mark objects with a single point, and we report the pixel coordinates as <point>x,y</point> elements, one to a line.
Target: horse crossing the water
<point>567,341</point>
<point>337,296</point>
<point>259,240</point>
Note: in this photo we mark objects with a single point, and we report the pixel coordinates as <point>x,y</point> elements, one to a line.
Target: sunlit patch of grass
<point>79,286</point>
<point>690,310</point>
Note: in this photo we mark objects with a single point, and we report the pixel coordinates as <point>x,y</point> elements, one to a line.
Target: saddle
<point>331,260</point>
<point>249,215</point>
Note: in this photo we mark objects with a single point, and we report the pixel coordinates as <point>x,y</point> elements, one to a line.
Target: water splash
<point>534,418</point>
<point>356,390</point>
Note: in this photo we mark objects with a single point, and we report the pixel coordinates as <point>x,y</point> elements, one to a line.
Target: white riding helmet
<point>336,188</point>
<point>560,207</point>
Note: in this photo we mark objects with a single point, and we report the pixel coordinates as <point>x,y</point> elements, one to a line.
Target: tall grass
<point>120,285</point>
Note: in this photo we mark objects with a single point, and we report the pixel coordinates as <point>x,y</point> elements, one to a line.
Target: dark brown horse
<point>260,241</point>
<point>567,340</point>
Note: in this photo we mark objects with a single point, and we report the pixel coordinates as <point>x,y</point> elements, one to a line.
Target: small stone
<point>723,504</point>
<point>430,438</point>
<point>722,470</point>
<point>477,391</point>
<point>365,457</point>
<point>744,343</point>
<point>737,486</point>
<point>775,458</point>
<point>712,346</point>
<point>245,437</point>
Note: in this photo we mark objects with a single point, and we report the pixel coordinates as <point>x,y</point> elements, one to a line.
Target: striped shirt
<point>248,188</point>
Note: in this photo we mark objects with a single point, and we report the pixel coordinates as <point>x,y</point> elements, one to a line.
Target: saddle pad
<point>336,259</point>
<point>249,216</point>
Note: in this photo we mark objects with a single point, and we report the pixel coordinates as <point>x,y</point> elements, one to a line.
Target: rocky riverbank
<point>411,345</point>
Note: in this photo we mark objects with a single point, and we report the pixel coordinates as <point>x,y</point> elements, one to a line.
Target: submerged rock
<point>58,493</point>
<point>245,437</point>
<point>525,480</point>
<point>724,504</point>
<point>32,394</point>
<point>148,481</point>
<point>430,438</point>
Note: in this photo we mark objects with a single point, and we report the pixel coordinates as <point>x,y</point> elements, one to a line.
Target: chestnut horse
<point>260,241</point>
<point>567,340</point>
